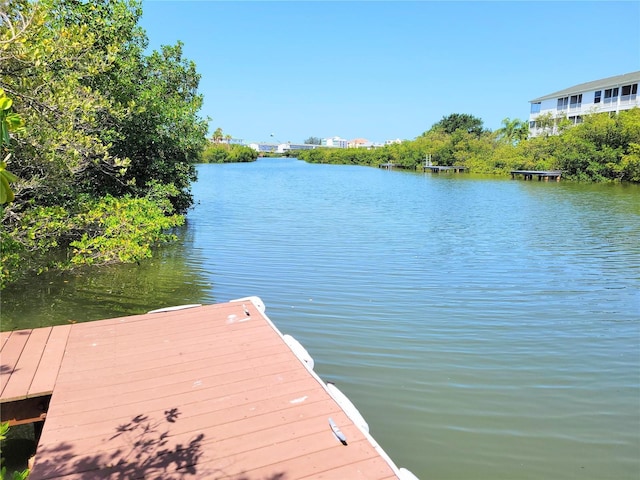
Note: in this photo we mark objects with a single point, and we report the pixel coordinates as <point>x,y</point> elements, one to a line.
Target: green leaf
<point>5,103</point>
<point>6,194</point>
<point>8,175</point>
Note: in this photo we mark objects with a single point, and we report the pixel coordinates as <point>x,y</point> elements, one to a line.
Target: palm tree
<point>513,131</point>
<point>217,135</point>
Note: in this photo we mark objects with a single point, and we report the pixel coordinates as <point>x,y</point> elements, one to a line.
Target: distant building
<point>391,142</point>
<point>335,142</point>
<point>227,141</point>
<point>359,143</point>
<point>280,147</point>
<point>611,94</point>
<point>264,147</point>
<point>299,146</point>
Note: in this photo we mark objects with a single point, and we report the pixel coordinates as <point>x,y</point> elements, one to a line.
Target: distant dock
<point>203,392</point>
<point>541,174</point>
<point>391,165</point>
<point>444,168</point>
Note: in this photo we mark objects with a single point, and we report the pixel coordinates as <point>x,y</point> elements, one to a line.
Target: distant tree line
<point>214,153</point>
<point>221,150</point>
<point>605,147</point>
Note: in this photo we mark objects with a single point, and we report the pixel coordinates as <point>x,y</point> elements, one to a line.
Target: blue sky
<point>382,70</point>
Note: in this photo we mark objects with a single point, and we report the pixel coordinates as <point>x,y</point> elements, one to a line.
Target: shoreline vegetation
<point>104,156</point>
<point>100,139</point>
<point>604,148</point>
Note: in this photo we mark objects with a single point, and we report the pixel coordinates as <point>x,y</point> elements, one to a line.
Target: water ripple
<point>485,328</point>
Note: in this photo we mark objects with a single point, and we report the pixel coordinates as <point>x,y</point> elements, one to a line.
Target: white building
<point>296,146</point>
<point>280,147</point>
<point>335,142</point>
<point>265,147</point>
<point>606,95</point>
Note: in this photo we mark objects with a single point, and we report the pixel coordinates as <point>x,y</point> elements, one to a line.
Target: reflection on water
<point>112,291</point>
<point>485,328</point>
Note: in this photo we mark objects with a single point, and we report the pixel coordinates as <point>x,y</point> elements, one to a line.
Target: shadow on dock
<point>151,450</point>
<point>148,452</point>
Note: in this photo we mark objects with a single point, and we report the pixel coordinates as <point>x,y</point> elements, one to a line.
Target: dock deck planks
<point>44,379</point>
<point>19,383</point>
<point>30,362</point>
<point>206,392</point>
<point>10,355</point>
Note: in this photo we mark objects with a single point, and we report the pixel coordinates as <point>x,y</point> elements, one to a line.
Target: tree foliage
<point>603,148</point>
<point>45,69</point>
<point>164,127</point>
<point>228,154</point>
<point>104,117</point>
<point>9,122</point>
<point>218,135</point>
<point>460,121</point>
<point>109,129</point>
<point>16,475</point>
<point>513,131</point>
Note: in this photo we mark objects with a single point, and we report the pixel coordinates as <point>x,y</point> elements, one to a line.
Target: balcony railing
<point>628,99</point>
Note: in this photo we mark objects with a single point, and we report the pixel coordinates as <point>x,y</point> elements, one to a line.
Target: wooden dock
<point>391,166</point>
<point>541,174</point>
<point>443,168</point>
<point>30,363</point>
<point>205,392</point>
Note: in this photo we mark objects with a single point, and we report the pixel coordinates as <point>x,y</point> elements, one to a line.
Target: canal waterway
<point>486,328</point>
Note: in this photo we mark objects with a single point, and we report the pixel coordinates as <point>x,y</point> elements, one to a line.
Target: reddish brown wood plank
<point>47,372</point>
<point>10,355</point>
<point>4,336</point>
<point>192,362</point>
<point>154,354</point>
<point>208,411</point>
<point>368,469</point>
<point>176,395</point>
<point>220,441</point>
<point>282,441</point>
<point>271,440</point>
<point>18,384</point>
<point>182,382</point>
<point>89,355</point>
<point>168,322</point>
<point>136,347</point>
<point>190,404</point>
<point>301,457</point>
<point>207,392</point>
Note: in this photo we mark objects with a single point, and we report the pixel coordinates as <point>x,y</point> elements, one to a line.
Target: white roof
<point>617,80</point>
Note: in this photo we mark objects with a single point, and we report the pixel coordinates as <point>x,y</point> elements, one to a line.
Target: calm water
<point>486,329</point>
